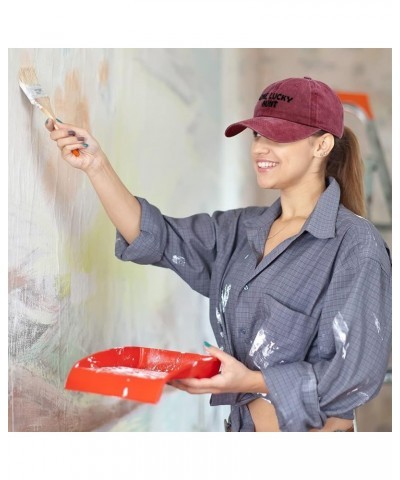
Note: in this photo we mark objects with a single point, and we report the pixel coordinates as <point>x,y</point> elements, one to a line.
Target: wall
<point>151,110</point>
<point>160,116</point>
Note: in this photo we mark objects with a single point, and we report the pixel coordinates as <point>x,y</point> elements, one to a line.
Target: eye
<point>256,134</point>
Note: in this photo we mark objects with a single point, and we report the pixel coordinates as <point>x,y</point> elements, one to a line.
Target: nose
<point>261,145</point>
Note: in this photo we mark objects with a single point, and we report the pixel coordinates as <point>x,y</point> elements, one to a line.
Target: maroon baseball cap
<point>293,109</point>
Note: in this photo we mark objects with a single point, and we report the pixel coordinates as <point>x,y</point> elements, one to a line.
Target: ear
<point>323,145</point>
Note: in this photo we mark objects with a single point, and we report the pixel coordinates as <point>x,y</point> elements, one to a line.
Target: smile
<point>266,165</point>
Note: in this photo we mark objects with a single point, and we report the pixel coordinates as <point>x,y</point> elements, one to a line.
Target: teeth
<point>266,164</point>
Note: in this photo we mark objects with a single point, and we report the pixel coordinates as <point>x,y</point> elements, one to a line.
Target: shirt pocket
<point>282,335</point>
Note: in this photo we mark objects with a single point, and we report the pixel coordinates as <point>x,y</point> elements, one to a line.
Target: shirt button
<point>242,331</point>
<point>246,287</point>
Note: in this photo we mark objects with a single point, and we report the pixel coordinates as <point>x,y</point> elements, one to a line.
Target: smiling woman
<point>291,286</point>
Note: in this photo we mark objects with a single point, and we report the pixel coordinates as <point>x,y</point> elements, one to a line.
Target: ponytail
<point>345,165</point>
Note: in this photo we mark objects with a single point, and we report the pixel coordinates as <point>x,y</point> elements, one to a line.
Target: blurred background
<point>160,115</point>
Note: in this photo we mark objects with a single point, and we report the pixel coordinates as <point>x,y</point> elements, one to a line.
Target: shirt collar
<point>322,221</point>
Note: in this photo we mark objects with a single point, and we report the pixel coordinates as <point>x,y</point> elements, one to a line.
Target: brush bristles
<point>28,76</point>
<point>30,85</point>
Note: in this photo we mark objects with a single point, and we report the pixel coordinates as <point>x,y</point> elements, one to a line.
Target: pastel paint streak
<point>103,74</point>
<point>340,331</point>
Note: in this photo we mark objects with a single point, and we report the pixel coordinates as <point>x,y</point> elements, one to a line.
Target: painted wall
<point>160,116</point>
<point>152,111</point>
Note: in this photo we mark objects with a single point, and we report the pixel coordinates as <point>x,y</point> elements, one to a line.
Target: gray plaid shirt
<point>314,315</point>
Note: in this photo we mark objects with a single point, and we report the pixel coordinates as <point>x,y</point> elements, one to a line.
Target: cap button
<point>308,78</point>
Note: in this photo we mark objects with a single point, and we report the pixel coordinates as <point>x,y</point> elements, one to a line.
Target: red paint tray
<point>137,373</point>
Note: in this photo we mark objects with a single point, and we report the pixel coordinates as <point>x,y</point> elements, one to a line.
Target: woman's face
<point>283,165</point>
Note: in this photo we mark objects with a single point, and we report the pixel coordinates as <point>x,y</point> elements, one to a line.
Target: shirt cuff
<point>293,391</point>
<point>149,246</point>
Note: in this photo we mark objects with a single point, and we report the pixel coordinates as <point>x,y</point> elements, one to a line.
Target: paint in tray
<point>134,372</point>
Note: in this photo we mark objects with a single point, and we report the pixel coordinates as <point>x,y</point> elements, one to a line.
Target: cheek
<point>253,150</point>
<point>299,160</point>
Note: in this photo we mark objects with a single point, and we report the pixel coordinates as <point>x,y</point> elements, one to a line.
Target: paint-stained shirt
<point>313,315</point>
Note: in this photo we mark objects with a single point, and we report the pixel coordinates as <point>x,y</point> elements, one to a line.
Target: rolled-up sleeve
<point>354,344</point>
<point>184,245</point>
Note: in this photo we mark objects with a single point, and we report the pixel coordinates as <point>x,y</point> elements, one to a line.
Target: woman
<point>300,292</point>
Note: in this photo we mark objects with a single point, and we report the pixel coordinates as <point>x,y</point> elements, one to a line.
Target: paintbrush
<point>36,95</point>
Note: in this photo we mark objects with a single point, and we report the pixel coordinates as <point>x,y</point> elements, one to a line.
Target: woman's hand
<point>68,138</point>
<point>234,377</point>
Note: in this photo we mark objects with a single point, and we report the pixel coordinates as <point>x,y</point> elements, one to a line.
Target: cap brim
<point>275,129</point>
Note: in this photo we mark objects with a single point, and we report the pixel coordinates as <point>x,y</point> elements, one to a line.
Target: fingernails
<point>85,145</point>
<point>207,344</point>
<point>58,120</point>
<point>81,139</point>
<point>71,133</point>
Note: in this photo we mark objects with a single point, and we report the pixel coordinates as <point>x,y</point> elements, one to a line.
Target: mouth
<point>266,166</point>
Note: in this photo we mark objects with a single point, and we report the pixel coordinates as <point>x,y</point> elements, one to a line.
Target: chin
<point>266,183</point>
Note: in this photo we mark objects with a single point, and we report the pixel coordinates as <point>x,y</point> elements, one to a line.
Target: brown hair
<point>345,165</point>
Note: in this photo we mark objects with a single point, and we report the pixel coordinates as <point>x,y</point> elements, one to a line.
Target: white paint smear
<point>134,372</point>
<point>353,391</point>
<point>178,260</point>
<point>225,296</point>
<point>258,342</point>
<point>268,349</point>
<point>340,331</point>
<point>377,324</point>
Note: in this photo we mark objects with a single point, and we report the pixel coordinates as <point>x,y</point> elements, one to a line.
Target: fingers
<point>49,124</point>
<point>55,124</point>
<point>68,137</point>
<point>216,352</point>
<point>71,139</point>
<point>61,130</point>
<point>197,385</point>
<point>74,146</point>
